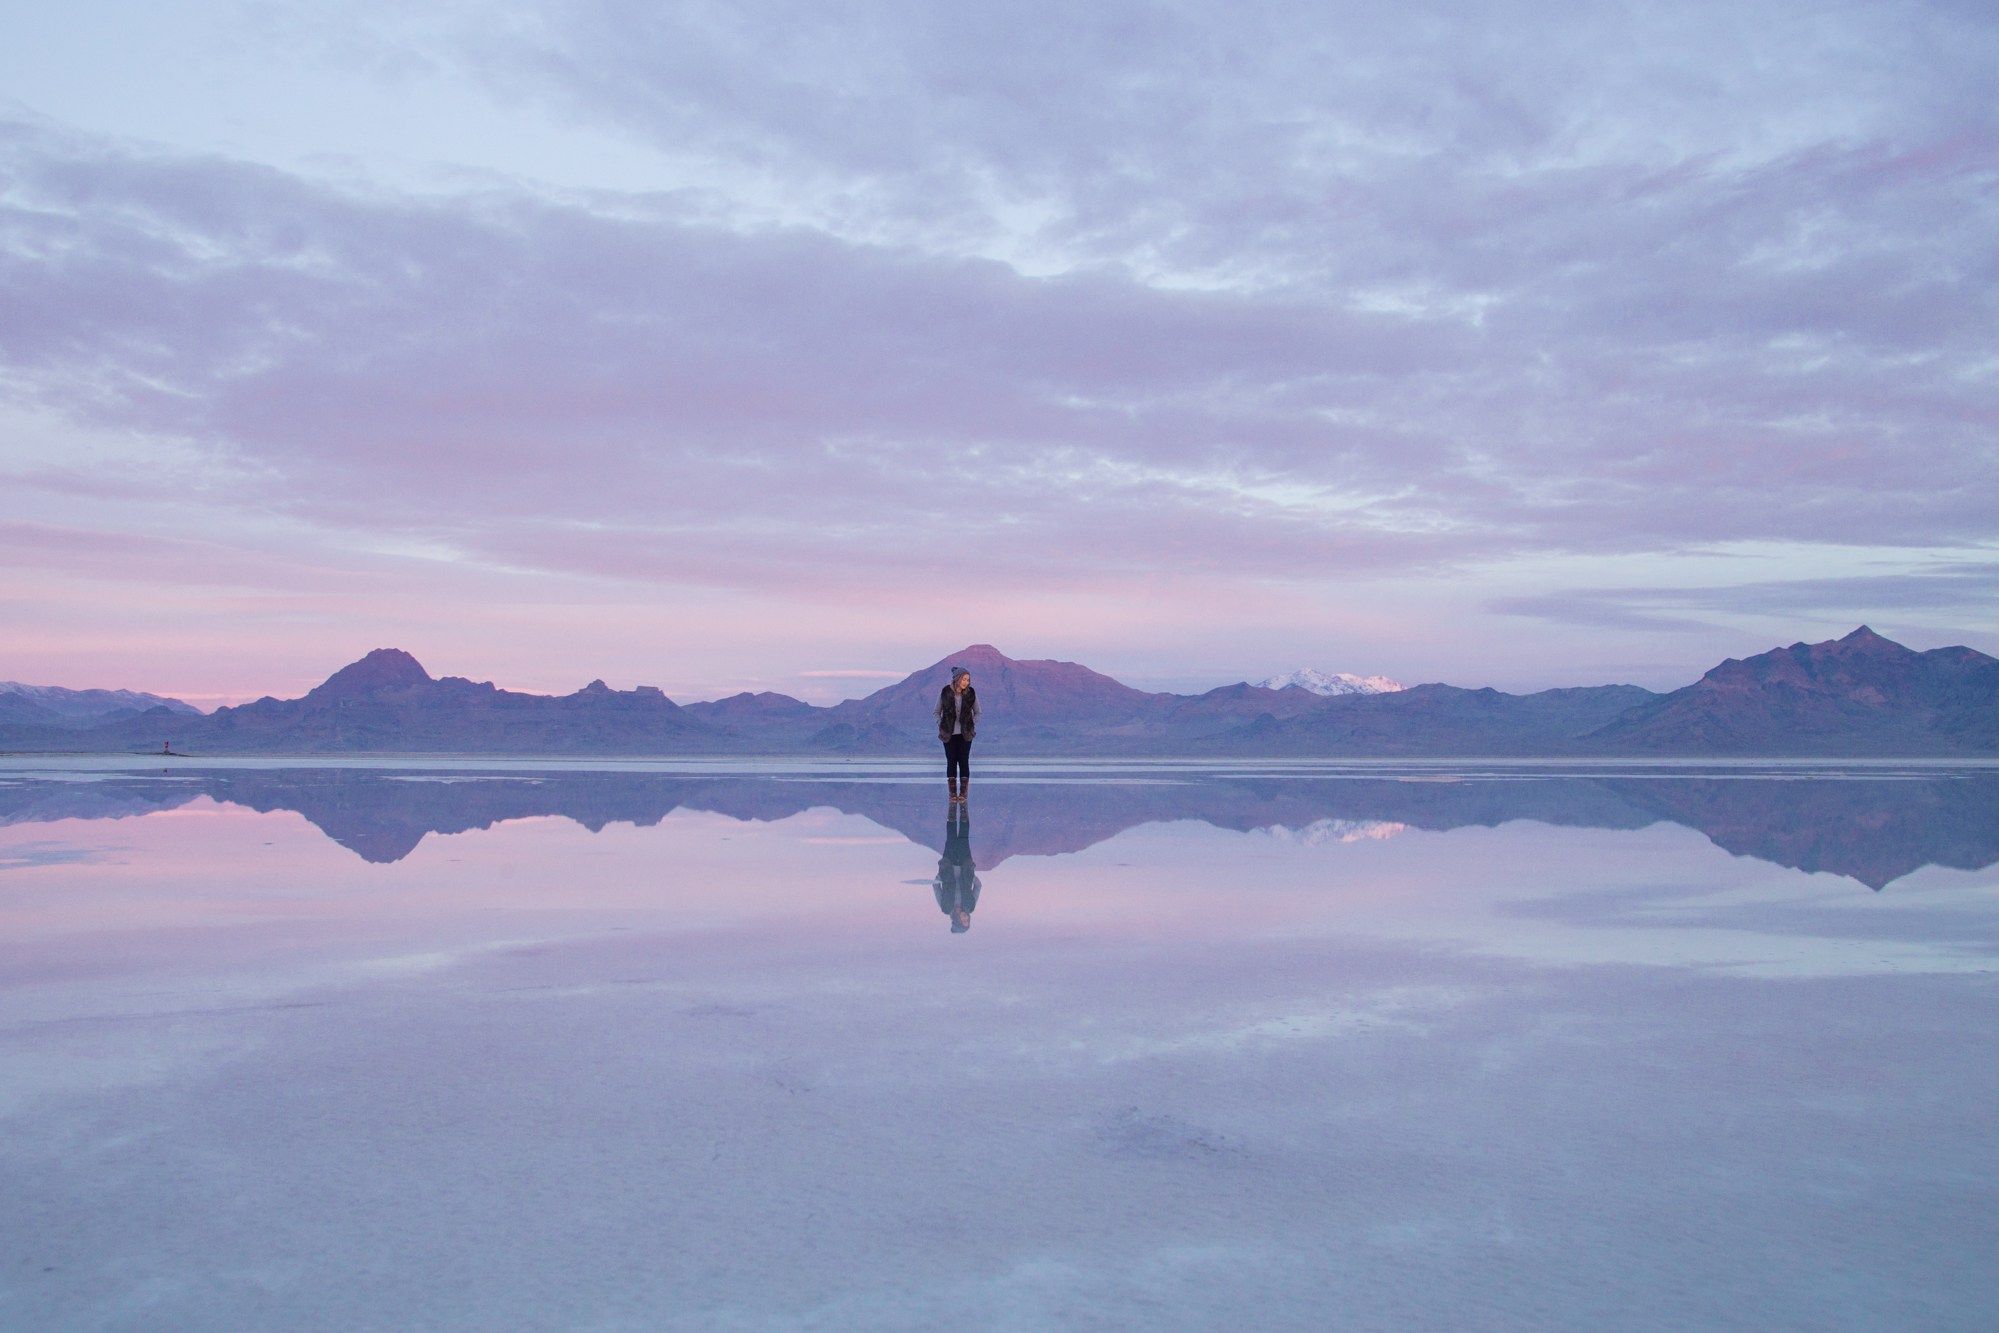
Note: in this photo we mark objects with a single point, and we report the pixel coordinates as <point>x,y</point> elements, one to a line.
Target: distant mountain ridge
<point>1861,690</point>
<point>387,702</point>
<point>1331,682</point>
<point>56,706</point>
<point>1861,695</point>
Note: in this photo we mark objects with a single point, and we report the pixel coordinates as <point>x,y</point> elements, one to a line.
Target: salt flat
<point>548,1045</point>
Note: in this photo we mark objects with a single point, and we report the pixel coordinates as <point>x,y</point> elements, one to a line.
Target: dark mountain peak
<point>767,699</point>
<point>1833,662</point>
<point>1862,640</point>
<point>382,669</point>
<point>599,698</point>
<point>1242,689</point>
<point>992,669</point>
<point>755,710</point>
<point>1860,643</point>
<point>976,656</point>
<point>1027,693</point>
<point>1860,694</point>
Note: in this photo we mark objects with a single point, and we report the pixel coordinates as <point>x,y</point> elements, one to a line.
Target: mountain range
<point>54,706</point>
<point>1861,695</point>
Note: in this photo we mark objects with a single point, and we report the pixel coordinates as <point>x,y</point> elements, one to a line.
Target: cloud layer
<point>1272,299</point>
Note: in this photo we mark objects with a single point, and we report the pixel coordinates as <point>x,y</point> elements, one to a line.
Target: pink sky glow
<point>752,349</point>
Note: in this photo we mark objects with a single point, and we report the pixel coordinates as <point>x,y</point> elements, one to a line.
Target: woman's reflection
<point>956,887</point>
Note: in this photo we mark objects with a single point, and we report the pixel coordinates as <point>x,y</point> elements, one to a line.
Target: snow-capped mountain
<point>1336,682</point>
<point>53,705</point>
<point>1321,832</point>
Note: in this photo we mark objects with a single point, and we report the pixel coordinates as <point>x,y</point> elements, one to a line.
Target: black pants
<point>957,758</point>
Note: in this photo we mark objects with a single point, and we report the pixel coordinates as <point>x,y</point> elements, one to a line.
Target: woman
<point>957,716</point>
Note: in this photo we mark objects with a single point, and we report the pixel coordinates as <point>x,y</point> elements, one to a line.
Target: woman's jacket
<point>967,722</point>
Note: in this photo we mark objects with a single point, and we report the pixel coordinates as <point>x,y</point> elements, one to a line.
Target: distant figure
<point>957,716</point>
<point>956,886</point>
<point>166,747</point>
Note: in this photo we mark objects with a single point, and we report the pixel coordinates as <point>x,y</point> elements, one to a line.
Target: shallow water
<point>556,1044</point>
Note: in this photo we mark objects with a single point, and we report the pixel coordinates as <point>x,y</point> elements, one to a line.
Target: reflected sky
<point>1506,1045</point>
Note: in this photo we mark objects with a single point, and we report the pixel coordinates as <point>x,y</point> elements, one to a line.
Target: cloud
<point>1419,152</point>
<point>1279,296</point>
<point>1967,590</point>
<point>552,385</point>
<point>1602,608</point>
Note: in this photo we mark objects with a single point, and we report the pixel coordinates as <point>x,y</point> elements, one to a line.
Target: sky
<point>796,345</point>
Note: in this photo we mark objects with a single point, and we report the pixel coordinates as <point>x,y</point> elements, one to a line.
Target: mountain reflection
<point>1870,825</point>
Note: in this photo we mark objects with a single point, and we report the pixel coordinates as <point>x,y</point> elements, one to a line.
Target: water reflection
<point>1873,825</point>
<point>957,885</point>
<point>1212,1067</point>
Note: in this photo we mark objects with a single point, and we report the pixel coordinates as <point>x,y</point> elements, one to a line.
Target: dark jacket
<point>970,719</point>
